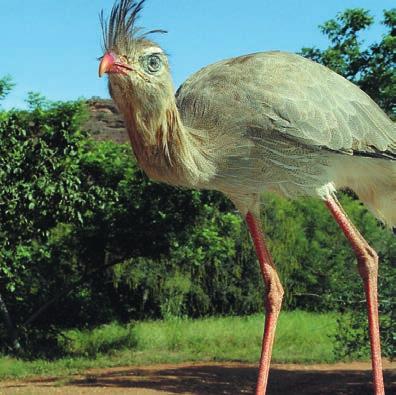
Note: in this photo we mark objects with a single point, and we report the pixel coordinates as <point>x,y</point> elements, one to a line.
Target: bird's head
<point>138,68</point>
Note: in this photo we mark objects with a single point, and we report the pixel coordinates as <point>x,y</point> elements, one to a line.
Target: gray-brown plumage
<point>295,127</point>
<point>265,121</point>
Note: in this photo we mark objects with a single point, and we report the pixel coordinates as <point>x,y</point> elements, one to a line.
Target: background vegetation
<point>184,340</point>
<point>87,239</point>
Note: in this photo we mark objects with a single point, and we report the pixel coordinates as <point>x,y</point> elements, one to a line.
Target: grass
<point>301,338</point>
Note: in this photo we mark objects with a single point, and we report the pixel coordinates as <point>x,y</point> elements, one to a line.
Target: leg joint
<point>367,262</point>
<point>274,297</point>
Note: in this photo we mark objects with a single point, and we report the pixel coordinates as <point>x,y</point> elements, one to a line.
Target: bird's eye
<point>153,63</point>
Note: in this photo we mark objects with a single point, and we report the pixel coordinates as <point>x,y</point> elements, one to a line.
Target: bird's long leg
<point>273,300</point>
<point>367,260</point>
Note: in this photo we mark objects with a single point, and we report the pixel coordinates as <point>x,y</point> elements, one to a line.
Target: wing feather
<point>286,95</point>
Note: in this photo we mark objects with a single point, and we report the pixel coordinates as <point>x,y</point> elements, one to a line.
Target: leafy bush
<point>44,201</point>
<point>87,238</point>
<point>372,68</point>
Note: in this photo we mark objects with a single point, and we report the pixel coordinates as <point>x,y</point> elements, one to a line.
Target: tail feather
<point>384,208</point>
<point>374,181</point>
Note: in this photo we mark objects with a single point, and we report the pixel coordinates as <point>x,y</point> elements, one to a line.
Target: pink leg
<point>368,269</point>
<point>273,302</point>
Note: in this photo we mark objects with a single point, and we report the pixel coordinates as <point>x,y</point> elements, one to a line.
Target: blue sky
<point>51,46</point>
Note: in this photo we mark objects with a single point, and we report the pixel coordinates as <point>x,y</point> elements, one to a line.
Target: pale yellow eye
<point>124,59</point>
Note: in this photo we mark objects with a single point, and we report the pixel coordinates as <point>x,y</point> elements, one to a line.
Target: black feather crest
<point>119,30</point>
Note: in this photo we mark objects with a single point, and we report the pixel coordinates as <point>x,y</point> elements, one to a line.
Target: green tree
<point>6,86</point>
<point>37,101</point>
<point>44,201</point>
<point>88,237</point>
<point>371,67</point>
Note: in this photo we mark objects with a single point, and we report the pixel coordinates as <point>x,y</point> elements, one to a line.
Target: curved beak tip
<point>106,63</point>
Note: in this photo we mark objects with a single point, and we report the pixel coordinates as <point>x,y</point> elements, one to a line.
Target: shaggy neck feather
<point>166,149</point>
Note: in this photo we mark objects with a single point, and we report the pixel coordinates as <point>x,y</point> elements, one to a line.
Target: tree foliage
<point>44,198</point>
<point>6,86</point>
<point>86,238</point>
<point>371,67</point>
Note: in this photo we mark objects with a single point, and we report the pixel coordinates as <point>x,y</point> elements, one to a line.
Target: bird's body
<point>271,121</point>
<point>266,121</point>
<point>289,125</point>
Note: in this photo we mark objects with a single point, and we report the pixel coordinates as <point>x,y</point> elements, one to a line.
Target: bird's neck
<point>166,149</point>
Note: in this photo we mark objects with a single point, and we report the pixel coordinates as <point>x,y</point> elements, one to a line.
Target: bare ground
<point>210,378</point>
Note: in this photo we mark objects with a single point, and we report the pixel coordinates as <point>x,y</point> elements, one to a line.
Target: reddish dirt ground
<point>210,378</point>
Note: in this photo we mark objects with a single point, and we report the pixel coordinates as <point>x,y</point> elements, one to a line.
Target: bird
<point>268,121</point>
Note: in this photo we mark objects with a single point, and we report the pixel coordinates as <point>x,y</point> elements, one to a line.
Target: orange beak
<point>106,63</point>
